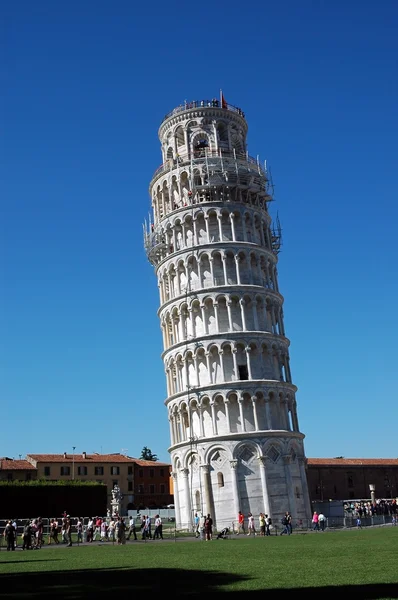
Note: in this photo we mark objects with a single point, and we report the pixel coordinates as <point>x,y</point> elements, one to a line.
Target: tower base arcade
<point>256,473</point>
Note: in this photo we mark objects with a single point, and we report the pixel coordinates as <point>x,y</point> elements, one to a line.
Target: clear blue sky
<point>85,87</point>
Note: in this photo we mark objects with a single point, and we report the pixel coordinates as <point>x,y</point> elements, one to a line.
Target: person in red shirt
<point>241,522</point>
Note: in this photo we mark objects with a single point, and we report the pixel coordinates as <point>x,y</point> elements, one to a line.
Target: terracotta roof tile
<point>98,458</point>
<point>150,463</point>
<point>355,462</point>
<point>8,464</point>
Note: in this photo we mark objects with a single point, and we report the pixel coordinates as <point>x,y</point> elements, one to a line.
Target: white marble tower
<point>235,438</point>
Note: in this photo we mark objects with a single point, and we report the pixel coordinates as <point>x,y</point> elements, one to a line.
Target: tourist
<point>322,521</point>
<point>268,525</point>
<point>158,533</point>
<point>250,525</point>
<point>209,528</point>
<point>315,521</point>
<point>261,521</point>
<point>241,522</point>
<point>132,529</point>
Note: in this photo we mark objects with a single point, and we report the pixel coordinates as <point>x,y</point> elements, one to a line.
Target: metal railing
<point>241,159</point>
<point>214,103</point>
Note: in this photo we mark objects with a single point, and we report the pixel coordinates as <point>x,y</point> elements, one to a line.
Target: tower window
<point>220,479</point>
<point>243,372</point>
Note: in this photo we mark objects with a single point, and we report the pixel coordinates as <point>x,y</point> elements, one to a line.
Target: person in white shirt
<point>132,529</point>
<point>250,524</point>
<point>322,521</point>
<point>158,533</point>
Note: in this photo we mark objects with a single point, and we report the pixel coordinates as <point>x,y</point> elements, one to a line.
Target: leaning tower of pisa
<point>235,437</point>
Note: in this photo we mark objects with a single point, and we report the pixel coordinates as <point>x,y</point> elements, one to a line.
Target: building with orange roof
<point>142,483</point>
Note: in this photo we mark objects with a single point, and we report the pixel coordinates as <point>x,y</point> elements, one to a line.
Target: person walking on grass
<point>250,524</point>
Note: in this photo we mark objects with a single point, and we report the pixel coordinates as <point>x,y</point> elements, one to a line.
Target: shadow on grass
<point>101,584</point>
<point>7,562</point>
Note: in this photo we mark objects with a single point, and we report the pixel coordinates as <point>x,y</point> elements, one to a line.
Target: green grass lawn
<point>356,564</point>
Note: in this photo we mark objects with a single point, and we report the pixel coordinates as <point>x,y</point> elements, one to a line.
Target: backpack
<point>284,521</point>
<point>269,521</point>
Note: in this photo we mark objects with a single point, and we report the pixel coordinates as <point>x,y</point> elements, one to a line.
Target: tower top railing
<point>214,103</point>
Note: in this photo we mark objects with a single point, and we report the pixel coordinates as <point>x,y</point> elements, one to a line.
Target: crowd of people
<point>387,507</point>
<point>114,529</point>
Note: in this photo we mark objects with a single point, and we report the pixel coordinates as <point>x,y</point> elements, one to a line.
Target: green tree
<point>146,454</point>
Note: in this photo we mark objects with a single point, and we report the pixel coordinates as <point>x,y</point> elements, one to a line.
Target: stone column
<point>237,261</point>
<point>207,354</point>
<point>174,475</point>
<point>213,418</point>
<point>268,412</point>
<point>219,227</point>
<point>186,364</point>
<point>208,491</point>
<point>224,266</point>
<point>211,271</point>
<point>192,320</point>
<point>215,304</point>
<point>207,228</point>
<point>229,304</point>
<point>214,123</point>
<point>289,483</point>
<point>221,355</point>
<point>255,316</point>
<point>249,367</point>
<point>306,496</point>
<point>232,217</point>
<point>205,328</point>
<point>197,370</point>
<point>242,312</point>
<point>171,430</point>
<point>262,234</point>
<point>200,414</point>
<point>242,418</point>
<point>254,403</point>
<point>226,403</point>
<point>185,473</point>
<point>235,486</point>
<point>294,416</point>
<point>234,353</point>
<point>264,483</point>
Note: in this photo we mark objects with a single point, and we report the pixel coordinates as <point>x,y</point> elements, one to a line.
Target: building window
<point>129,470</point>
<point>98,470</point>
<point>65,470</point>
<point>82,470</point>
<point>141,473</point>
<point>129,486</point>
<point>220,479</point>
<point>151,489</point>
<point>162,491</point>
<point>28,476</point>
<point>151,472</point>
<point>161,472</point>
<point>140,489</point>
<point>350,481</point>
<point>243,372</point>
<point>115,470</point>
<point>47,471</point>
